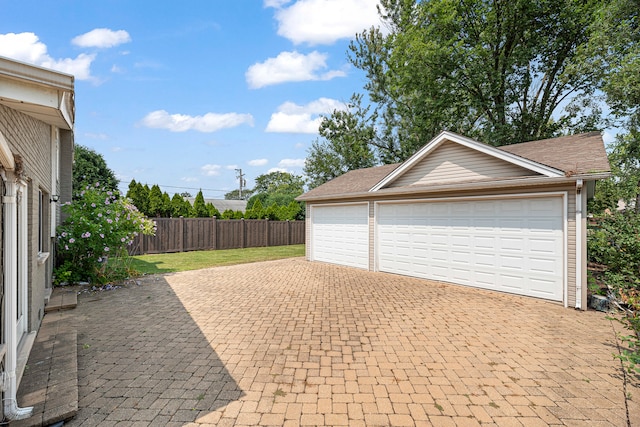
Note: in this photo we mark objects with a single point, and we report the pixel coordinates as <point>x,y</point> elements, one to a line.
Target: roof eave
<point>458,187</point>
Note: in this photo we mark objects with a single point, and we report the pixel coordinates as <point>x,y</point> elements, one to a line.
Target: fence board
<point>194,234</point>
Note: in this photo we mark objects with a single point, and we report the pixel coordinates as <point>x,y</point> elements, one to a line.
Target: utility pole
<point>243,182</point>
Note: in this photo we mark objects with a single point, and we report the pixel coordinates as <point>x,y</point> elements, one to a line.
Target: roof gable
<point>452,158</point>
<point>451,162</point>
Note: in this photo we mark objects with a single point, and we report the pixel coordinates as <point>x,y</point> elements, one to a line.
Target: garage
<point>509,219</point>
<point>514,245</point>
<point>340,234</point>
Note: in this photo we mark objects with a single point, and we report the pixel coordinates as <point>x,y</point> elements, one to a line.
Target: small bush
<point>92,242</point>
<point>615,244</point>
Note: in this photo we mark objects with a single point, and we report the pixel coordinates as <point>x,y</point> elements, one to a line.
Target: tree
<point>499,71</point>
<point>346,144</point>
<point>156,202</point>
<point>199,209</point>
<point>276,188</point>
<point>615,48</point>
<point>212,210</point>
<point>139,195</point>
<point>90,168</point>
<point>256,211</point>
<point>283,182</point>
<point>235,194</point>
<point>179,206</point>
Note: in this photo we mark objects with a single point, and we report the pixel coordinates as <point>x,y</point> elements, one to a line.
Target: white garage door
<point>340,234</point>
<point>512,245</point>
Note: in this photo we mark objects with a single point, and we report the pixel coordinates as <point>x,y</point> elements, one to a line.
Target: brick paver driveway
<point>296,343</point>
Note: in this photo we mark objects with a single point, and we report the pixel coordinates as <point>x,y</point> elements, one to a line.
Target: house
<point>36,154</point>
<point>222,204</point>
<point>510,219</point>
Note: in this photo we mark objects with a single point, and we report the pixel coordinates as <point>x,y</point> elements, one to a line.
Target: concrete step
<point>50,380</point>
<point>61,299</point>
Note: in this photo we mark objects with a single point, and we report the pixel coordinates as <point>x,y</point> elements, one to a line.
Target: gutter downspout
<point>579,252</point>
<point>9,383</point>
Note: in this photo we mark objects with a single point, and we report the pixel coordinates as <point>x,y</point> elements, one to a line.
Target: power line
<point>183,188</point>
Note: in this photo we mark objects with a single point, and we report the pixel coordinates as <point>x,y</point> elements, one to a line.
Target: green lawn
<point>183,261</point>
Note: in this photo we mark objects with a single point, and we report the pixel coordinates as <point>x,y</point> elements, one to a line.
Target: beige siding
<point>455,163</point>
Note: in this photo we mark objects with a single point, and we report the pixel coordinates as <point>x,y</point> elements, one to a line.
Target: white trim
<point>562,194</point>
<point>6,156</point>
<point>579,266</point>
<point>55,179</point>
<point>472,144</point>
<point>10,386</point>
<point>565,221</point>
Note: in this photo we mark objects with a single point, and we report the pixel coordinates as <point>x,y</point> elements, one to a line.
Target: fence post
<point>181,235</point>
<point>267,228</point>
<point>243,226</point>
<point>288,232</point>
<point>214,230</point>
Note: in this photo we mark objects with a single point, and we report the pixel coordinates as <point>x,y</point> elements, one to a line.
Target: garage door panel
<point>340,234</point>
<point>514,245</point>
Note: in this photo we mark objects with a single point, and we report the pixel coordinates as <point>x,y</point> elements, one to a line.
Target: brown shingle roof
<point>575,154</point>
<point>355,181</point>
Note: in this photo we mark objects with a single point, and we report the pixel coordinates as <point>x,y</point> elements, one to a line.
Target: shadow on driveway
<point>142,358</point>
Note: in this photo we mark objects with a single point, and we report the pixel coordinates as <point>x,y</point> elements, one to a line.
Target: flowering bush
<point>92,242</point>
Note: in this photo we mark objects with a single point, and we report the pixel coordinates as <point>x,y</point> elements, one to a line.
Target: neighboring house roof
<point>223,204</point>
<point>575,156</point>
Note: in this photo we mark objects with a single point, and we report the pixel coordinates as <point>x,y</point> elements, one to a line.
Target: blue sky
<point>181,94</point>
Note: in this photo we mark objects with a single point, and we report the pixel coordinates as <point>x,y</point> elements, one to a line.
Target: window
<point>40,221</point>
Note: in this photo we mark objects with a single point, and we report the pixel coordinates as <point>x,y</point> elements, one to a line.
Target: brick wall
<point>30,139</point>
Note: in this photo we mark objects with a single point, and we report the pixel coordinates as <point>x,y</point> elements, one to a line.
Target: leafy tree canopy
<point>500,71</point>
<point>235,194</point>
<point>346,144</point>
<point>89,168</point>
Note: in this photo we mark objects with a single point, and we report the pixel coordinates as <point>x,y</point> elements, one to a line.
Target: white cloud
<point>277,170</point>
<point>211,170</point>
<point>210,122</point>
<point>102,37</point>
<point>291,163</point>
<point>293,118</point>
<point>258,162</point>
<point>324,21</point>
<point>290,67</point>
<point>189,179</point>
<point>28,48</point>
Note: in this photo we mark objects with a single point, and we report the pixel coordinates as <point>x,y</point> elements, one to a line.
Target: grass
<point>184,261</point>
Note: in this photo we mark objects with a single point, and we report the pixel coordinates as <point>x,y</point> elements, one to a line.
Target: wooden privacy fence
<point>196,234</point>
